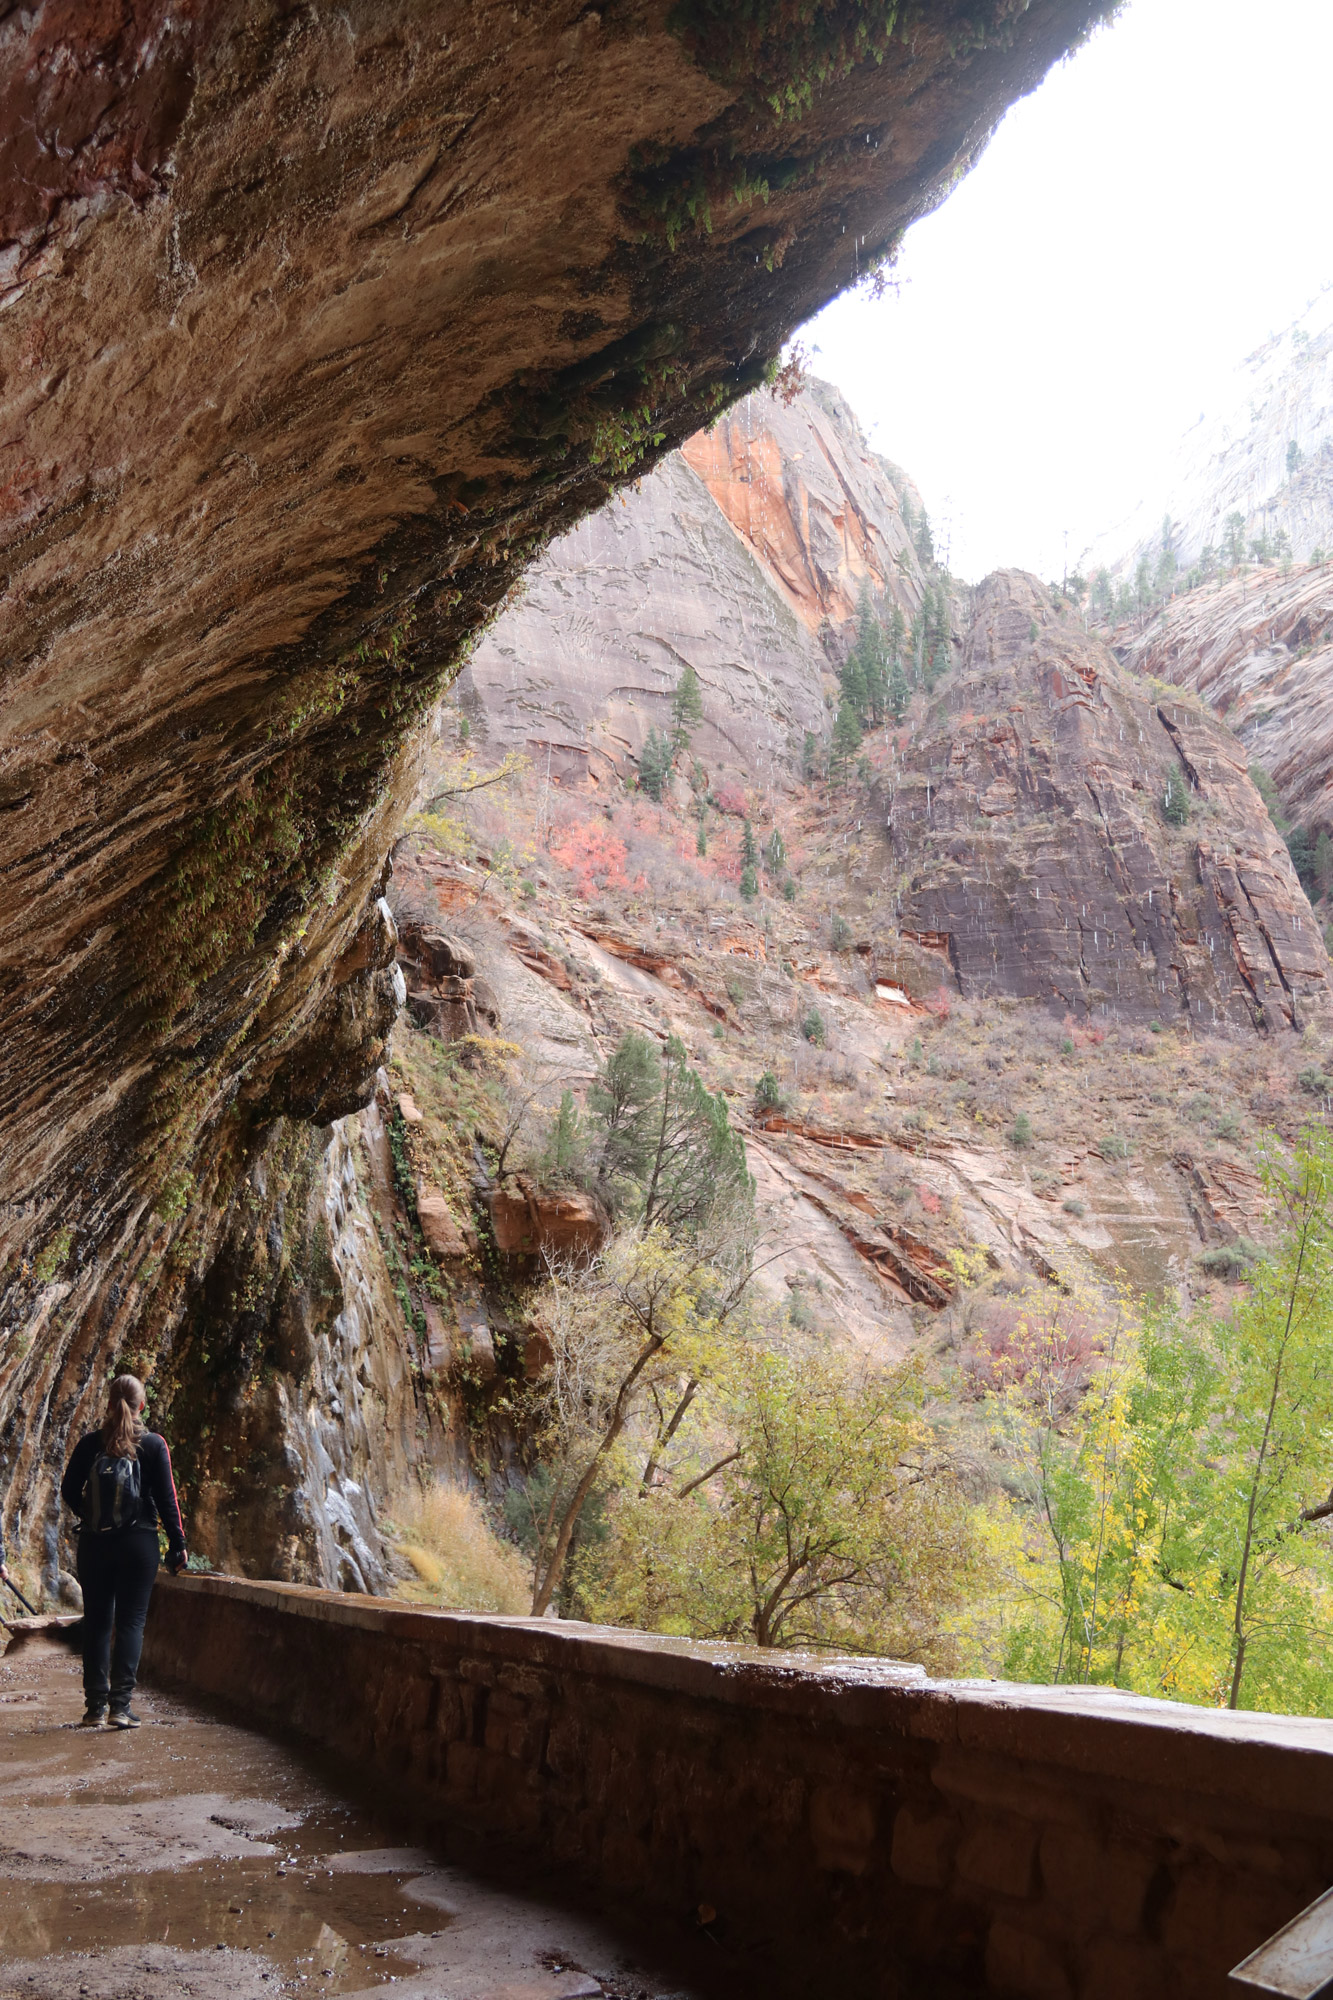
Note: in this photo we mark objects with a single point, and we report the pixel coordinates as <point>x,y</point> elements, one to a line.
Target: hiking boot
<point>92,1718</point>
<point>123,1718</point>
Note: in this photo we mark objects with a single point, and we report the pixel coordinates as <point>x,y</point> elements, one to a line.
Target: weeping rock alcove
<point>316,325</point>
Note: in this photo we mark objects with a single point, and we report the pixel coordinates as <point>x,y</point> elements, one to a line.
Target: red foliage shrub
<point>1045,1344</point>
<point>593,855</point>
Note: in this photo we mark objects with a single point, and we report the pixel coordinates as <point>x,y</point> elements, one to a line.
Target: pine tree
<point>749,851</point>
<point>775,853</point>
<point>810,757</point>
<point>853,680</point>
<point>749,883</point>
<point>701,840</point>
<point>1176,804</point>
<point>687,707</point>
<point>899,692</point>
<point>567,1143</point>
<point>1323,863</point>
<point>1233,542</point>
<point>846,742</point>
<point>655,761</point>
<point>924,542</point>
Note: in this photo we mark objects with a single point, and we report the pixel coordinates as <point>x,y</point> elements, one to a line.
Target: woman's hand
<point>179,1562</point>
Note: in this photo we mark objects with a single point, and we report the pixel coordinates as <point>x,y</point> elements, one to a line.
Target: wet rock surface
<point>199,1860</point>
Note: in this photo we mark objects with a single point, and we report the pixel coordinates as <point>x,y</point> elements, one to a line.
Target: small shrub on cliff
<point>1113,1146</point>
<point>1020,1132</point>
<point>841,934</point>
<point>813,1028</point>
<point>1231,1261</point>
<point>768,1093</point>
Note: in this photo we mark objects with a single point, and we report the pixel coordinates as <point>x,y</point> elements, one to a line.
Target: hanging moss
<point>784,51</point>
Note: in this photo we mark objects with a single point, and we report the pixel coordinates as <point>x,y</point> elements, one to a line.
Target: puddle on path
<point>125,1860</point>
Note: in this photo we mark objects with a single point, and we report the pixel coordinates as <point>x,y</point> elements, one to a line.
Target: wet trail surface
<point>196,1857</point>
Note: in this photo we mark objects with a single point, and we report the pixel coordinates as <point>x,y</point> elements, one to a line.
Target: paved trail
<point>194,1859</point>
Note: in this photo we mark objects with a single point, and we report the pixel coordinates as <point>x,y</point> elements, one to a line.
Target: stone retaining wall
<point>864,1831</point>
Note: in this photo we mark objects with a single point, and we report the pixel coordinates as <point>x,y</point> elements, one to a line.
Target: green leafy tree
<point>630,1336</point>
<point>1176,1478</point>
<point>693,1162</point>
<point>687,708</point>
<point>1295,457</point>
<point>1301,848</point>
<point>825,1520</point>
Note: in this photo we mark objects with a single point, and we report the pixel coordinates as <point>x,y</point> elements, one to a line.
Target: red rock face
<point>736,556</point>
<point>531,1223</point>
<point>817,508</point>
<point>1029,818</point>
<point>1259,649</point>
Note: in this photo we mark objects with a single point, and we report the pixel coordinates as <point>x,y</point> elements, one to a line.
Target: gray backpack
<point>113,1494</point>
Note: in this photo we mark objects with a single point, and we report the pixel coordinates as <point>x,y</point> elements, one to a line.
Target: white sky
<point>1135,228</point>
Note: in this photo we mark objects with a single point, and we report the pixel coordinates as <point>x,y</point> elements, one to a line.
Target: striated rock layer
<point>1258,647</point>
<point>317,325</point>
<point>1036,858</point>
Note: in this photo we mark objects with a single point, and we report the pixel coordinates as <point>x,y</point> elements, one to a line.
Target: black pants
<point>116,1575</point>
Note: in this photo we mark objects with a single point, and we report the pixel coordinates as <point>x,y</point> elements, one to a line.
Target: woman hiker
<point>119,1484</point>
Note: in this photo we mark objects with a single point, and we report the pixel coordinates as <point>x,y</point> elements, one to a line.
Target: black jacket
<point>157,1494</point>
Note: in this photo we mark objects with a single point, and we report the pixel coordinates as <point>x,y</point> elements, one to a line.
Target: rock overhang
<point>315,329</point>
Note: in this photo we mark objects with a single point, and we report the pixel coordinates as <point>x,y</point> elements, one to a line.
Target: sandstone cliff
<point>1263,451</point>
<point>1027,817</point>
<point>1258,647</point>
<point>317,325</point>
<point>742,555</point>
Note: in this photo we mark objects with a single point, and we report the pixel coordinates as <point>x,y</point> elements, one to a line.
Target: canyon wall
<point>317,327</point>
<point>1263,450</point>
<point>1258,647</point>
<point>1037,858</point>
<point>742,556</point>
